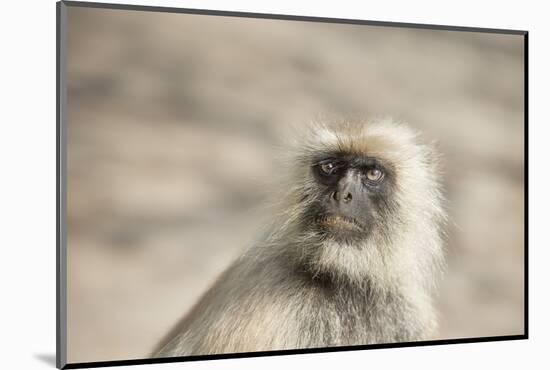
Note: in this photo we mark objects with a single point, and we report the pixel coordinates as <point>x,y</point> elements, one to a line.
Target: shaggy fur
<point>298,288</point>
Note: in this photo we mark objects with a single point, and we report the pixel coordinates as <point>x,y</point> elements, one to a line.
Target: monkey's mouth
<point>340,222</point>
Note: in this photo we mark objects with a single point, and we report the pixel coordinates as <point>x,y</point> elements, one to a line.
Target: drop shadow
<point>47,358</point>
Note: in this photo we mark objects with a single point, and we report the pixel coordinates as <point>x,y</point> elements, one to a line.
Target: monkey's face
<point>353,195</point>
<point>362,198</point>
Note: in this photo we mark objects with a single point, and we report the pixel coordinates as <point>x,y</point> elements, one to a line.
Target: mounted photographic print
<point>235,184</point>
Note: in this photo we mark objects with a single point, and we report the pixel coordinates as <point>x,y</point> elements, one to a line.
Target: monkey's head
<point>364,203</point>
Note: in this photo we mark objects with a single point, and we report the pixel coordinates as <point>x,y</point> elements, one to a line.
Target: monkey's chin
<point>340,228</point>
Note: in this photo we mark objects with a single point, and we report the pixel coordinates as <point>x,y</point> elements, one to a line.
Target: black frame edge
<point>226,13</point>
<point>57,313</point>
<point>61,260</point>
<point>526,182</point>
<point>149,361</point>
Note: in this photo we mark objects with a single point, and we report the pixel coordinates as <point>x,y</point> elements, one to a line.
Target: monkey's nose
<point>347,198</point>
<point>338,196</point>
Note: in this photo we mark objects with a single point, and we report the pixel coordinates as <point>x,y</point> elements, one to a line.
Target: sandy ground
<point>173,133</point>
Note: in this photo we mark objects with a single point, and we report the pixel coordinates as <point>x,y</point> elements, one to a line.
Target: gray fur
<point>297,289</point>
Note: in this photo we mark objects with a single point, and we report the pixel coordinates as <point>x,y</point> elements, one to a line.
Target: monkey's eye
<point>374,174</point>
<point>327,168</point>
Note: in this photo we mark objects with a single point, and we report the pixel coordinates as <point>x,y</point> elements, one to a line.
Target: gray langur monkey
<point>352,256</point>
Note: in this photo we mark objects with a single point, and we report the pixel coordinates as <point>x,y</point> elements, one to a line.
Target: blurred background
<point>174,129</point>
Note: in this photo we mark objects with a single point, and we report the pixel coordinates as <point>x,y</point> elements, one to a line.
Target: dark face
<point>353,198</point>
